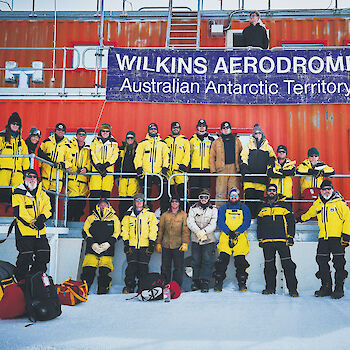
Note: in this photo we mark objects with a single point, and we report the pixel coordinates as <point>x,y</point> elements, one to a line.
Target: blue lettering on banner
<point>229,77</point>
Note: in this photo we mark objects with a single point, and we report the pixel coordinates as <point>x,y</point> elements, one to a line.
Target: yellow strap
<point>77,295</point>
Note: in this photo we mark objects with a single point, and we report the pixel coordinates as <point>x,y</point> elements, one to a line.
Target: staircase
<point>183,29</point>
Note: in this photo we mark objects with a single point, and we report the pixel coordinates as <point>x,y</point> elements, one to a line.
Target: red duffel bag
<point>12,303</point>
<point>72,292</point>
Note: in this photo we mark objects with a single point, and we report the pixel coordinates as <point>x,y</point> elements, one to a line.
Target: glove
<point>98,167</point>
<point>182,168</point>
<point>233,235</point>
<point>271,161</point>
<point>232,238</point>
<point>140,173</point>
<point>159,248</point>
<point>164,172</point>
<point>184,247</point>
<point>201,235</point>
<point>244,168</point>
<point>150,248</point>
<point>261,244</point>
<point>96,248</point>
<point>40,222</point>
<point>298,219</point>
<point>32,225</point>
<point>127,249</point>
<point>104,246</point>
<point>344,243</point>
<point>290,241</point>
<point>61,165</point>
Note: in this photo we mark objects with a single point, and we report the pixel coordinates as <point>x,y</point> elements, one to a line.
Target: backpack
<point>151,286</point>
<point>41,298</point>
<point>6,276</point>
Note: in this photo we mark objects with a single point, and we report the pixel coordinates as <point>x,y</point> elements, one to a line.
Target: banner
<point>229,77</point>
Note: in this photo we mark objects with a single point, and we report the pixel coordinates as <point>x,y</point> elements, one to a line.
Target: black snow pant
<point>241,265</point>
<point>138,262</point>
<point>75,209</point>
<point>324,250</point>
<point>270,271</point>
<point>252,193</point>
<point>97,194</point>
<point>173,257</point>
<point>34,254</point>
<point>103,281</point>
<point>198,183</point>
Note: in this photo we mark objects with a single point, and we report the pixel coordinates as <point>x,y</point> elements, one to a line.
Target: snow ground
<point>230,319</point>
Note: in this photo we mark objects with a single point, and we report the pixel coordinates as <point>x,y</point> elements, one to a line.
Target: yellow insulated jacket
<point>333,216</point>
<point>315,173</point>
<point>200,152</point>
<point>139,229</point>
<point>56,153</point>
<point>102,153</point>
<point>79,159</point>
<point>152,154</point>
<point>281,176</point>
<point>27,209</point>
<point>179,152</point>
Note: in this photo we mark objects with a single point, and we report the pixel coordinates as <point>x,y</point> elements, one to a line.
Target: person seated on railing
<point>255,34</point>
<point>200,144</point>
<point>128,185</point>
<point>104,154</point>
<point>152,156</point>
<point>56,150</point>
<point>78,183</point>
<point>256,156</point>
<point>32,141</point>
<point>179,158</point>
<point>281,174</point>
<point>12,168</point>
<point>224,159</point>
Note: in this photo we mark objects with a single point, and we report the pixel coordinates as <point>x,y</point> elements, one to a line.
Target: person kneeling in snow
<point>101,230</point>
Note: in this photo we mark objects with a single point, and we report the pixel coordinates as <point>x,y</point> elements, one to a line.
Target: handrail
<point>164,7</point>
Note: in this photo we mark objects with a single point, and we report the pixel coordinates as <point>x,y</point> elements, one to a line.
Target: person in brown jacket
<point>224,159</point>
<point>172,241</point>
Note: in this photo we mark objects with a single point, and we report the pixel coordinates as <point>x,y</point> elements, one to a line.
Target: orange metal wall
<point>299,127</point>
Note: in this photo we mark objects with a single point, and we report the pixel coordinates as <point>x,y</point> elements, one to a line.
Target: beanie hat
<point>152,125</point>
<point>281,147</point>
<point>234,189</point>
<point>60,126</point>
<point>175,125</point>
<point>257,128</point>
<point>175,197</point>
<point>105,126</point>
<point>326,183</point>
<point>204,192</point>
<point>313,151</point>
<point>130,134</point>
<point>272,185</point>
<point>14,118</point>
<point>31,171</point>
<point>81,130</point>
<point>175,290</point>
<point>34,132</point>
<point>202,122</point>
<point>225,125</point>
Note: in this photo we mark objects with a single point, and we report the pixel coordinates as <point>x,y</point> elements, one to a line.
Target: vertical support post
<point>170,9</point>
<point>65,201</point>
<point>185,192</point>
<point>56,196</point>
<point>32,157</point>
<point>145,189</point>
<point>64,66</point>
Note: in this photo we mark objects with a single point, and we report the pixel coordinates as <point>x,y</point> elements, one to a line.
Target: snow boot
<point>128,290</point>
<point>268,291</point>
<point>325,290</point>
<point>218,285</point>
<point>242,284</point>
<point>204,286</point>
<point>293,293</point>
<point>338,291</point>
<point>195,285</point>
<point>102,290</point>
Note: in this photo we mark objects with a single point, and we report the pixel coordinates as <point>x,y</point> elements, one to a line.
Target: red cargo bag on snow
<point>72,292</point>
<point>13,303</point>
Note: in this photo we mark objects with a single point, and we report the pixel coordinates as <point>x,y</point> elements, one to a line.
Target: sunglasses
<point>153,128</point>
<point>130,138</point>
<point>175,201</point>
<point>258,133</point>
<point>234,194</point>
<point>271,190</point>
<point>105,131</point>
<point>281,151</point>
<point>138,200</point>
<point>313,155</point>
<point>226,127</point>
<point>15,123</point>
<point>81,134</point>
<point>204,197</point>
<point>326,189</point>
<point>31,176</point>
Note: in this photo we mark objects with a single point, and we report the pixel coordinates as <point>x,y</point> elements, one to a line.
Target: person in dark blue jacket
<point>233,220</point>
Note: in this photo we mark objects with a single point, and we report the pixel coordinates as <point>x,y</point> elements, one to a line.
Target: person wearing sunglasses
<point>31,208</point>
<point>224,159</point>
<point>275,233</point>
<point>152,156</point>
<point>281,174</point>
<point>32,141</point>
<point>256,156</point>
<point>202,219</point>
<point>333,216</point>
<point>12,168</point>
<point>104,153</point>
<point>255,34</point>
<point>128,184</point>
<point>139,233</point>
<point>78,183</point>
<point>233,220</point>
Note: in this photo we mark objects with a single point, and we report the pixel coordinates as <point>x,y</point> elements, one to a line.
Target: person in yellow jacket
<point>256,156</point>
<point>179,158</point>
<point>54,149</point>
<point>281,174</point>
<point>313,170</point>
<point>12,168</point>
<point>200,144</point>
<point>152,156</point>
<point>128,184</point>
<point>333,216</point>
<point>31,208</point>
<point>104,153</point>
<point>101,231</point>
<point>224,159</point>
<point>78,183</point>
<point>233,221</point>
<point>139,233</point>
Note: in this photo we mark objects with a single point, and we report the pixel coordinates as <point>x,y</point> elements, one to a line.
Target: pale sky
<point>116,5</point>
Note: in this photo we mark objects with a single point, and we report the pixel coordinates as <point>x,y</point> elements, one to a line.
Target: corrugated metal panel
<point>298,127</point>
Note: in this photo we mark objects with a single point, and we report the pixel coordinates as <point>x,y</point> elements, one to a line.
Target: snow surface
<point>226,320</point>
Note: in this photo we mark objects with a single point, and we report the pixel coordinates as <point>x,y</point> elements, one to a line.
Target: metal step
<point>183,31</point>
<point>183,38</point>
<point>183,24</point>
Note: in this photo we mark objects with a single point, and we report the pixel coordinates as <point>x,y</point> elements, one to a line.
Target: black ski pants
<point>176,258</point>
<point>138,262</point>
<point>241,265</point>
<point>104,279</point>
